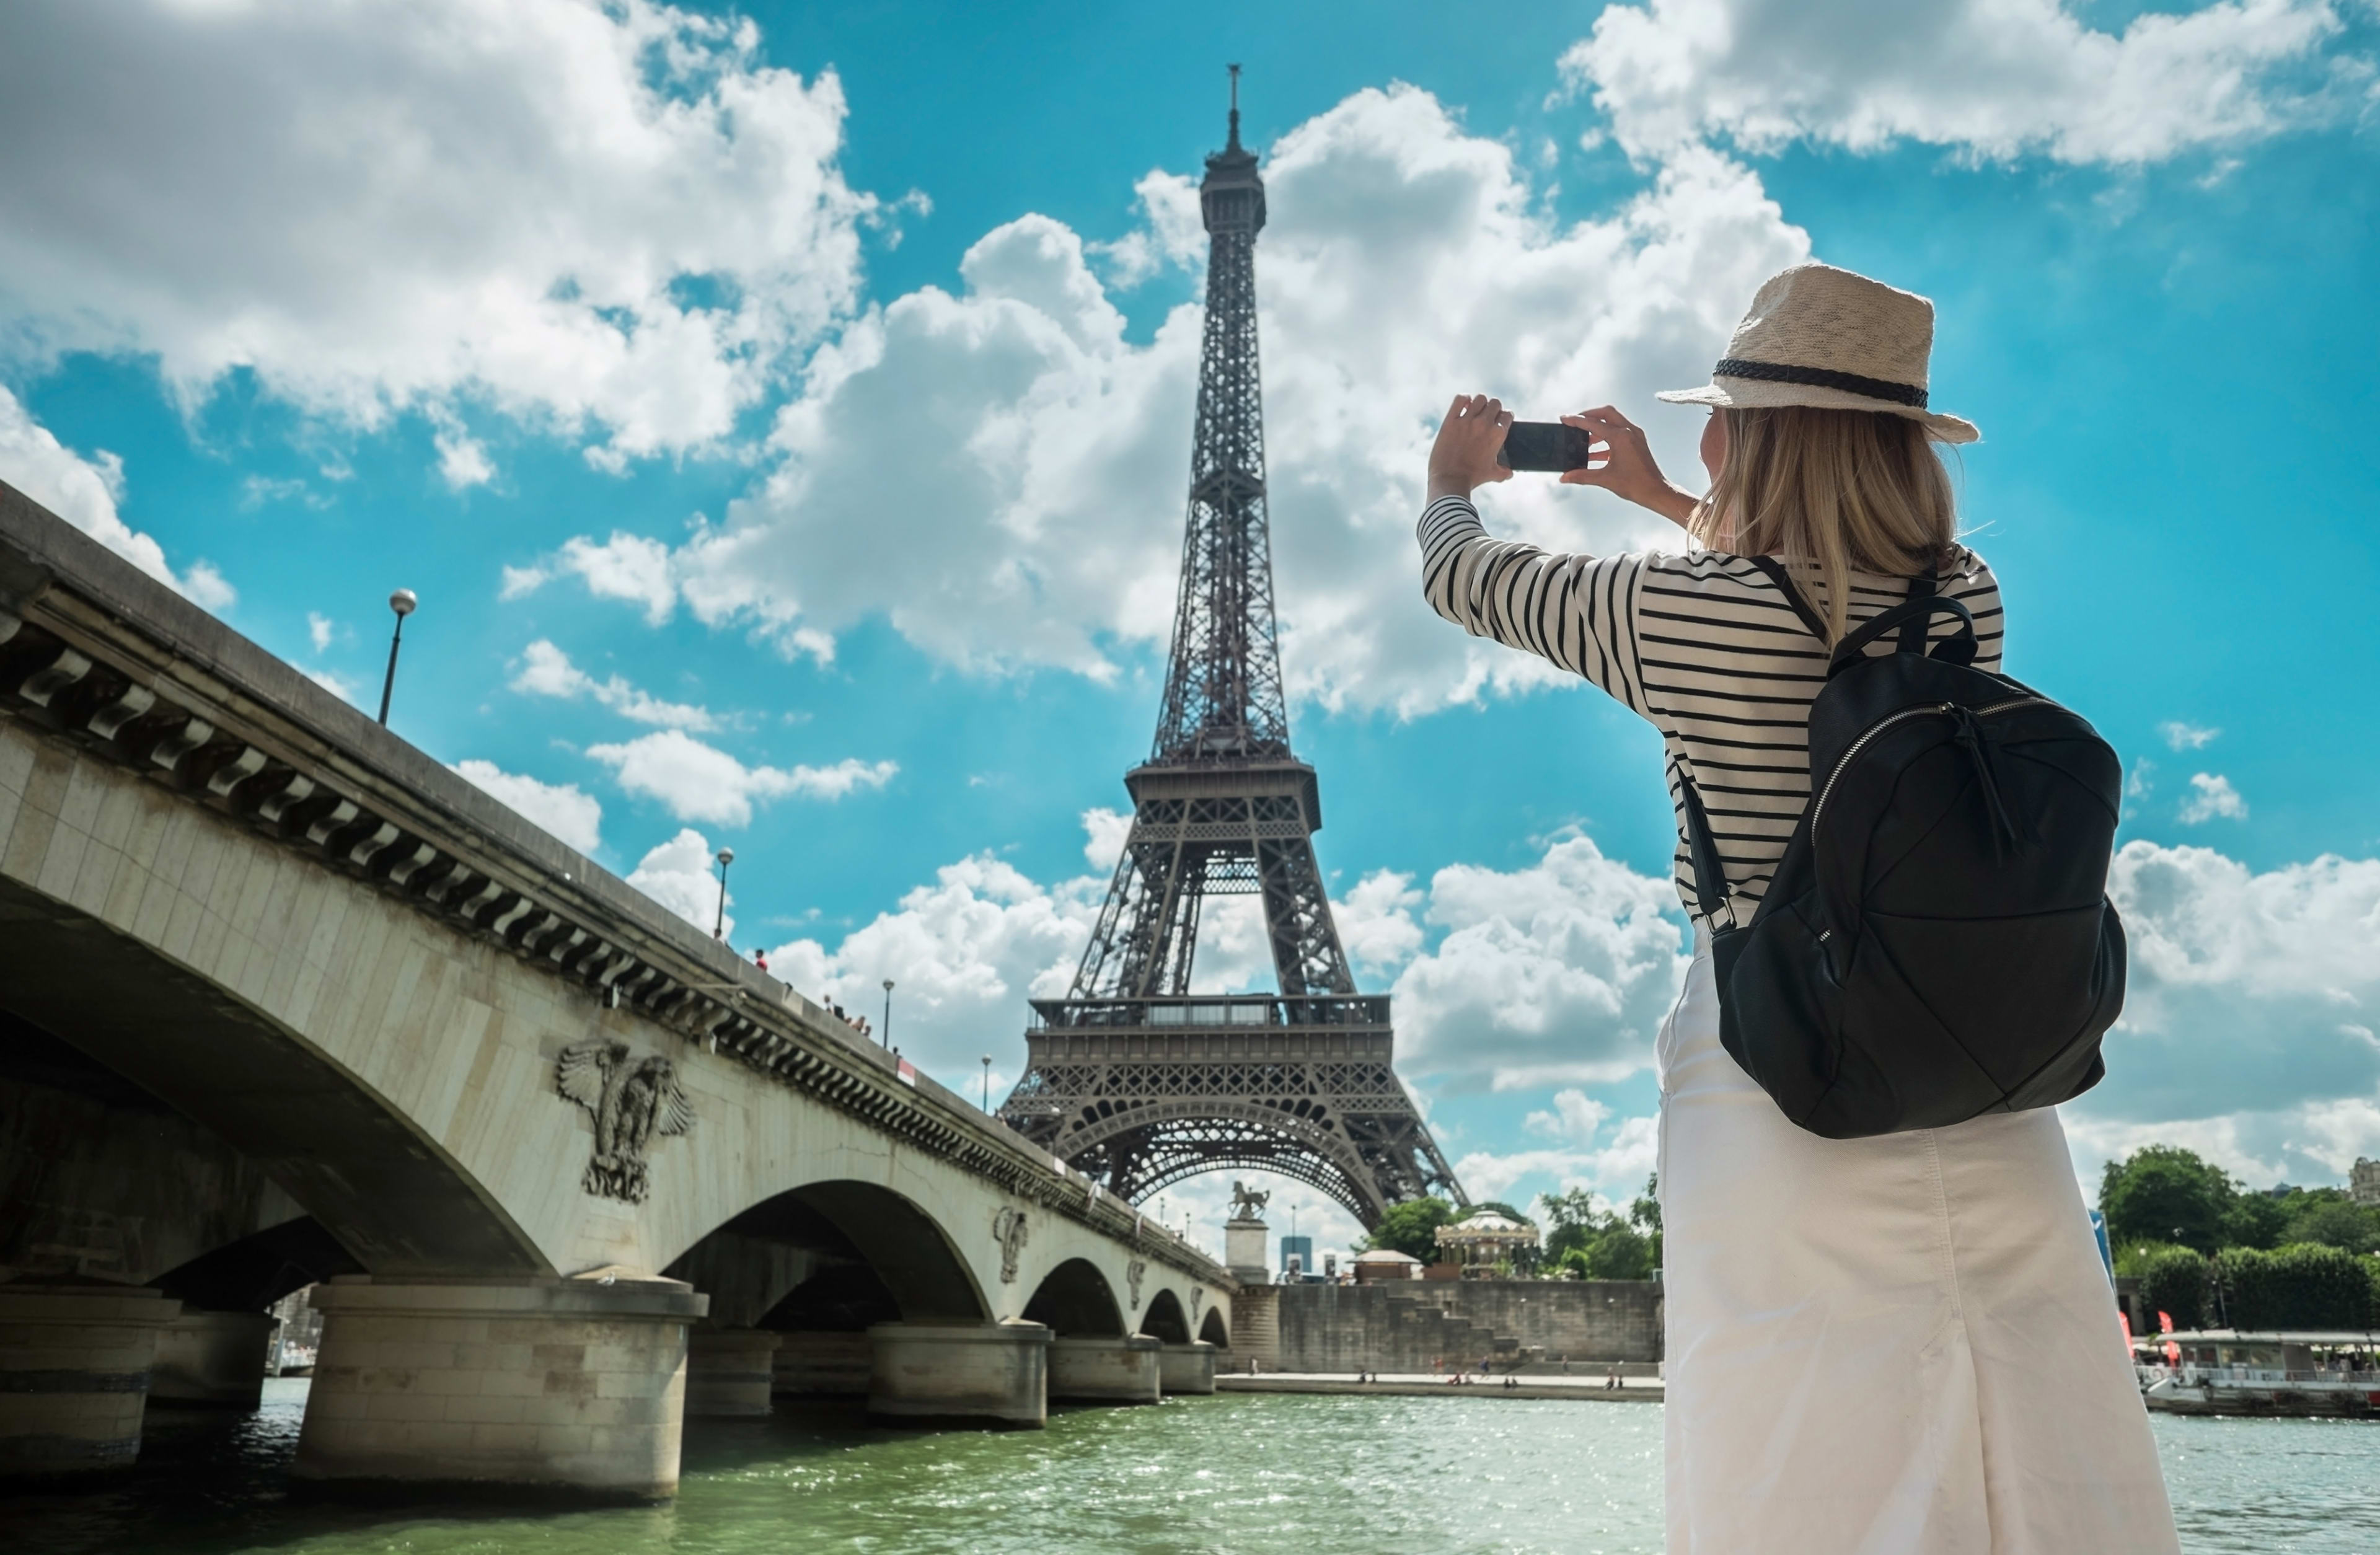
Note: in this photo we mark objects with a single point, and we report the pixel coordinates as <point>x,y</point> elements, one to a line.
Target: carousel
<point>1485,1243</point>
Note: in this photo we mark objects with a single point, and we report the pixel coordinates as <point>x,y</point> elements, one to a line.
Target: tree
<point>2163,1193</point>
<point>2329,1217</point>
<point>1411,1228</point>
<point>2174,1283</point>
<point>1594,1243</point>
<point>1575,1220</point>
<point>2258,1219</point>
<point>2304,1286</point>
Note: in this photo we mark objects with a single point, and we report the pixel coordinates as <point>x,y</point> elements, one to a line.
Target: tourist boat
<point>2297,1372</point>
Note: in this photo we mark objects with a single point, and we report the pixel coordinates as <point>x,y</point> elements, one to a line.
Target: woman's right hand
<point>1463,457</point>
<point>1627,470</point>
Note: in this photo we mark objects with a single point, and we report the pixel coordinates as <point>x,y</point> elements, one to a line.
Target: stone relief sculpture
<point>632,1099</point>
<point>1247,1204</point>
<point>1197,1300</point>
<point>1134,1273</point>
<point>1008,1230</point>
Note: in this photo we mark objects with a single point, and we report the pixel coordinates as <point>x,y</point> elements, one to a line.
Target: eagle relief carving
<point>632,1099</point>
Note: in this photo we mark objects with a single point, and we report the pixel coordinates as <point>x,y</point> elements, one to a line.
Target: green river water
<point>1231,1475</point>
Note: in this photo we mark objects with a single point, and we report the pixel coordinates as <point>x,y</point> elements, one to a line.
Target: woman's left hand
<point>1463,457</point>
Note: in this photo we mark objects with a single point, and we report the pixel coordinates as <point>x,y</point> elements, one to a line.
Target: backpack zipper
<point>1881,725</point>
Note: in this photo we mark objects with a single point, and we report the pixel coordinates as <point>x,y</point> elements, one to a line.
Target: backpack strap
<point>1785,586</point>
<point>1711,894</point>
<point>1912,631</point>
<point>1956,650</point>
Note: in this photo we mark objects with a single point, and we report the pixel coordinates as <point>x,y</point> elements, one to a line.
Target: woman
<point>1895,1344</point>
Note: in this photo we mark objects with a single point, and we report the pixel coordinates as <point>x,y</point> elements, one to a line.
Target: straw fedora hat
<point>1833,338</point>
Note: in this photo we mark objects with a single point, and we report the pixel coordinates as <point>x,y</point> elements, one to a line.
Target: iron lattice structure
<point>1130,1078</point>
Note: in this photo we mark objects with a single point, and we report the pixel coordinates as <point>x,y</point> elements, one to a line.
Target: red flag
<point>908,1073</point>
<point>2165,1322</point>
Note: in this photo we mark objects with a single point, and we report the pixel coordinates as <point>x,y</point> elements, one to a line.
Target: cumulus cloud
<point>611,220</point>
<point>85,491</point>
<point>320,629</point>
<point>1990,80</point>
<point>699,782</point>
<point>546,671</point>
<point>2249,1023</point>
<point>2186,737</point>
<point>1023,465</point>
<point>575,817</point>
<point>1562,971</point>
<point>678,875</point>
<point>2211,796</point>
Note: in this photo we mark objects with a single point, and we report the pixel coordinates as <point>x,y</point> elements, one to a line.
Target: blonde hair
<point>1829,492</point>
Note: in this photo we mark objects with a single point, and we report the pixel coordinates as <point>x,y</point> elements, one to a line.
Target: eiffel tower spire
<point>1130,1077</point>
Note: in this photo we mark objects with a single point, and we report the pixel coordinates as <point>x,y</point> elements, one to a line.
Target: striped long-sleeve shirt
<point>1704,646</point>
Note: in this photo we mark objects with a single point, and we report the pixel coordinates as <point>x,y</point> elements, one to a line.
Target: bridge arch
<point>1165,1320</point>
<point>836,1254</point>
<point>1075,1300</point>
<point>350,1153</point>
<point>1214,1330</point>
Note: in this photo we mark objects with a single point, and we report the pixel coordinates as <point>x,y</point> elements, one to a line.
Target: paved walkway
<point>1631,1390</point>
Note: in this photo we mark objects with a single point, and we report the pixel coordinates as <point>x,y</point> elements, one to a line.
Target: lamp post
<point>887,1014</point>
<point>719,924</point>
<point>987,1081</point>
<point>404,603</point>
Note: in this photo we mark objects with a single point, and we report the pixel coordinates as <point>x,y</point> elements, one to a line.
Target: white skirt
<point>1885,1347</point>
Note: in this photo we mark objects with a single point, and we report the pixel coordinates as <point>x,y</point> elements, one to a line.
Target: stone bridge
<point>284,1001</point>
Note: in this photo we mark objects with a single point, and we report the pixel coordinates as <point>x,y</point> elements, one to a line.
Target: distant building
<point>2364,1182</point>
<point>1298,1248</point>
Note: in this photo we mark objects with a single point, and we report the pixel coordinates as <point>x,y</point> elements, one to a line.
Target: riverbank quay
<point>1631,1390</point>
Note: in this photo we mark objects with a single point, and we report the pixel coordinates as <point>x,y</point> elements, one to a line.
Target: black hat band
<point>1821,378</point>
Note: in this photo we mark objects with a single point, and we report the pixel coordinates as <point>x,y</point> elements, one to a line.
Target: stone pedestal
<point>1187,1368</point>
<point>823,1365</point>
<point>960,1373</point>
<point>1256,1326</point>
<point>1244,1244</point>
<point>74,1363</point>
<point>729,1371</point>
<point>561,1385</point>
<point>212,1359</point>
<point>1119,1370</point>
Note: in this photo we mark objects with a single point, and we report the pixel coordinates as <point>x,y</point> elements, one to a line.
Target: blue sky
<point>783,417</point>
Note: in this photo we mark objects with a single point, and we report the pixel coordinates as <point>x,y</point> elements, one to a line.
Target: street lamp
<point>404,603</point>
<point>986,1079</point>
<point>887,1014</point>
<point>719,924</point>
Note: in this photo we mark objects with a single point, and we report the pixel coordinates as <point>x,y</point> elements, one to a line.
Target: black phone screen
<point>1547,446</point>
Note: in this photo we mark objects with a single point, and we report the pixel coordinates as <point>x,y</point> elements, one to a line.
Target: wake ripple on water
<point>1225,1476</point>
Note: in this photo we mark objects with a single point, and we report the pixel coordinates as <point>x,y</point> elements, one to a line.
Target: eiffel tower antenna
<point>1131,1078</point>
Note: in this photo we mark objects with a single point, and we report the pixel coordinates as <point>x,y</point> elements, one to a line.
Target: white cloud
<point>1023,465</point>
<point>611,220</point>
<point>575,817</point>
<point>2186,737</point>
<point>320,629</point>
<point>2249,1016</point>
<point>1560,971</point>
<point>338,685</point>
<point>1104,832</point>
<point>462,460</point>
<point>85,493</point>
<point>678,875</point>
<point>1375,922</point>
<point>702,782</point>
<point>546,671</point>
<point>1987,78</point>
<point>1574,1118</point>
<point>1617,1169</point>
<point>2212,796</point>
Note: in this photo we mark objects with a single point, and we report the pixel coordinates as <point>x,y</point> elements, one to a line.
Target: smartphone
<point>1542,445</point>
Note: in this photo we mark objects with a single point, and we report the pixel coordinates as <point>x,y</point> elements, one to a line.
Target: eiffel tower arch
<point>1130,1077</point>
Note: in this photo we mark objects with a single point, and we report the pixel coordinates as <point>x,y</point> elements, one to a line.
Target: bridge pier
<point>75,1361</point>
<point>960,1373</point>
<point>729,1371</point>
<point>213,1359</point>
<point>1187,1368</point>
<point>569,1385</point>
<point>812,1364</point>
<point>1120,1369</point>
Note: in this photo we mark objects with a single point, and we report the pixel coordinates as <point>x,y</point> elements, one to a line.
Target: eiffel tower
<point>1131,1078</point>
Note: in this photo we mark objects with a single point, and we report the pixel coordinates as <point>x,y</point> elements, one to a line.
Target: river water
<point>1233,1474</point>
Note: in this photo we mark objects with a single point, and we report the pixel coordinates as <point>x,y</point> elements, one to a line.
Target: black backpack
<point>1936,942</point>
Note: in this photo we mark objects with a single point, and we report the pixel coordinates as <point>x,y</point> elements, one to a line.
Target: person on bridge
<point>1900,1343</point>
